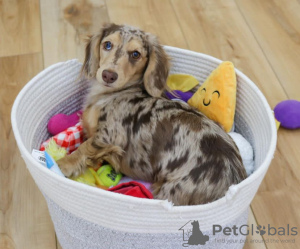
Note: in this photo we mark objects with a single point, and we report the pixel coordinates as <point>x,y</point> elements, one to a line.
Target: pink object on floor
<point>61,122</point>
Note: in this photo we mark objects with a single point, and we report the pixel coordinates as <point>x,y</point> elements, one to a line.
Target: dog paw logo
<point>261,230</point>
<point>192,234</point>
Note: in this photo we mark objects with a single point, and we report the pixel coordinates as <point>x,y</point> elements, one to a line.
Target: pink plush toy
<point>61,122</point>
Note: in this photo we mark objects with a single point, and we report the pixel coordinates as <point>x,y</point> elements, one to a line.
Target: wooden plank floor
<point>262,39</point>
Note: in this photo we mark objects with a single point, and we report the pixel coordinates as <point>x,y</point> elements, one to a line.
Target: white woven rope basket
<point>87,217</point>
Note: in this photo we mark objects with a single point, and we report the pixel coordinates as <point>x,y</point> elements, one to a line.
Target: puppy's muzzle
<point>109,76</point>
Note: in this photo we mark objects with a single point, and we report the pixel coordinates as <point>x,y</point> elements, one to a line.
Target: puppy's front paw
<point>70,167</point>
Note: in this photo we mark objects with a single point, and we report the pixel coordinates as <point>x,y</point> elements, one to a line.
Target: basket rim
<point>152,202</point>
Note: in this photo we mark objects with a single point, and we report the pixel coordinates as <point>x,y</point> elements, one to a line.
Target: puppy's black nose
<point>109,77</point>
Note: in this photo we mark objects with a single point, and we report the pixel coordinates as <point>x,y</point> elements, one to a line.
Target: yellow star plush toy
<point>216,98</point>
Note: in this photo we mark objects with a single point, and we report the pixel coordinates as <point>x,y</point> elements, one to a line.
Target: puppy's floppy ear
<point>92,55</point>
<point>155,76</point>
<point>92,50</point>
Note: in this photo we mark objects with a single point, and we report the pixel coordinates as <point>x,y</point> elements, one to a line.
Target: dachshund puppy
<point>189,159</point>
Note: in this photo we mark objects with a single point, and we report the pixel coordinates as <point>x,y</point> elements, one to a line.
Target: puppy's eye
<point>108,45</point>
<point>135,55</point>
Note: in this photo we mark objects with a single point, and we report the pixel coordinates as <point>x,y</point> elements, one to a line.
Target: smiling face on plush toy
<point>216,97</point>
<point>208,96</point>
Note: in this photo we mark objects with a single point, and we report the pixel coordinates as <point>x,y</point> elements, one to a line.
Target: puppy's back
<point>199,160</point>
<point>189,158</point>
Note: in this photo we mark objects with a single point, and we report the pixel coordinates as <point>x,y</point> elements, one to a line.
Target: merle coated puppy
<point>189,158</point>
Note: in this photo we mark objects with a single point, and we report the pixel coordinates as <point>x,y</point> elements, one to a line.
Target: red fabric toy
<point>132,188</point>
<point>70,139</point>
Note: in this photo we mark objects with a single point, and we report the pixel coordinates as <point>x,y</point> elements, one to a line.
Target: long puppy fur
<point>189,159</point>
